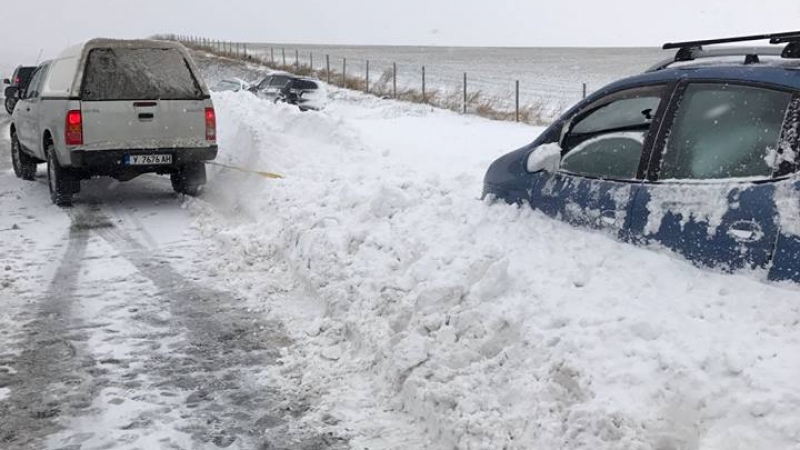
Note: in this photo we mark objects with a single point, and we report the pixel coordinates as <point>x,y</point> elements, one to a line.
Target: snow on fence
<point>481,94</point>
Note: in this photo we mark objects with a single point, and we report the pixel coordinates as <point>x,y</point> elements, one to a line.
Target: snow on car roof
<point>78,49</point>
<point>290,75</point>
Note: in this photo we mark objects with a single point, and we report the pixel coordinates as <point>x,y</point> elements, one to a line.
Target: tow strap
<point>240,169</point>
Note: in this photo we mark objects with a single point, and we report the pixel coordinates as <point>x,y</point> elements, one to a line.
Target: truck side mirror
<point>11,92</point>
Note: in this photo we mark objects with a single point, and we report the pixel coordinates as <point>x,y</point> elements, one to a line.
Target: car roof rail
<point>693,50</point>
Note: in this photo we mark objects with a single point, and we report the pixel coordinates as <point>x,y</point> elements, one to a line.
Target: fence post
<point>465,92</point>
<point>311,61</point>
<point>272,55</point>
<point>367,87</point>
<point>516,114</point>
<point>584,90</point>
<point>245,50</point>
<point>344,73</point>
<point>424,97</point>
<point>283,54</point>
<point>328,67</point>
<point>394,80</point>
<point>296,59</point>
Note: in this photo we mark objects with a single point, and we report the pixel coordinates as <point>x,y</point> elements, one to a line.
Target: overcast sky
<point>30,26</point>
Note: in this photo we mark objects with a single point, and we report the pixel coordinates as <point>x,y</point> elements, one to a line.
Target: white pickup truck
<point>115,108</point>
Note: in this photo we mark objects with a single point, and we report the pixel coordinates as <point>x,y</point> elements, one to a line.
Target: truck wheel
<point>63,183</point>
<point>189,179</point>
<point>24,165</point>
<point>10,103</point>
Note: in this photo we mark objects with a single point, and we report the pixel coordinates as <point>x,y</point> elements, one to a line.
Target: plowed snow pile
<point>427,318</point>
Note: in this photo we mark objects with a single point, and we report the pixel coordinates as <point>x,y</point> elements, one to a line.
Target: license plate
<point>147,160</point>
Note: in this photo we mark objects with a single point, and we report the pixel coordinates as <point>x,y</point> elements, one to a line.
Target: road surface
<point>114,337</point>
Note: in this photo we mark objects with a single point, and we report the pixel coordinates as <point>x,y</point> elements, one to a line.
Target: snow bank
<point>484,326</point>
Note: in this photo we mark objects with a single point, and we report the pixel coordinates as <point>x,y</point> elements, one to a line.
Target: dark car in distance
<point>18,83</point>
<point>698,155</point>
<point>306,93</point>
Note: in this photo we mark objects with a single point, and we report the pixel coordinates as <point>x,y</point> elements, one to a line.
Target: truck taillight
<point>74,130</point>
<point>211,125</point>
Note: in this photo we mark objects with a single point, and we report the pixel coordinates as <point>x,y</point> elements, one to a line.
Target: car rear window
<point>305,85</point>
<point>137,74</point>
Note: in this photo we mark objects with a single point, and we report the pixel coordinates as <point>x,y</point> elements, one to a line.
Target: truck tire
<point>63,183</point>
<point>10,103</point>
<point>189,179</point>
<point>24,165</point>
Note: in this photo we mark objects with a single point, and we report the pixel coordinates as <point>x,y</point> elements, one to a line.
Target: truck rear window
<point>138,74</point>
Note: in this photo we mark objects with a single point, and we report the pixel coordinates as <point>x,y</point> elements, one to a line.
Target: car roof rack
<point>693,50</point>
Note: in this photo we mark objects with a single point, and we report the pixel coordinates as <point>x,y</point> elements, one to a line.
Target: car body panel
<point>726,225</point>
<point>591,203</point>
<point>144,124</point>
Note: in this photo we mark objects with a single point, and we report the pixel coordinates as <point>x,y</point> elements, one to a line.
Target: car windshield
<point>138,73</point>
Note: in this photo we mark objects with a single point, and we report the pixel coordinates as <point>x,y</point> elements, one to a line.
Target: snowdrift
<point>426,318</point>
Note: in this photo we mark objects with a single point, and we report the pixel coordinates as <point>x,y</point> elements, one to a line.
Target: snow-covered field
<point>482,326</point>
<point>553,75</point>
<point>371,298</point>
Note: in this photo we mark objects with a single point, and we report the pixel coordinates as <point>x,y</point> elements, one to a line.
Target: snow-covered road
<point>112,336</point>
<point>369,300</point>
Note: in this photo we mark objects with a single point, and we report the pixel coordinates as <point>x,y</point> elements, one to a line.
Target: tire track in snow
<point>212,366</point>
<point>53,375</point>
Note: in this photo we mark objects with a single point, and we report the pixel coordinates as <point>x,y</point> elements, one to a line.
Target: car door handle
<point>745,231</point>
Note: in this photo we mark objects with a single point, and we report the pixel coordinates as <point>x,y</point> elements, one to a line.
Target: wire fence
<point>482,94</point>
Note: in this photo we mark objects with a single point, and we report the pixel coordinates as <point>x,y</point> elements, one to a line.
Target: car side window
<point>278,82</point>
<point>606,140</point>
<point>264,83</point>
<point>725,131</point>
<point>36,83</point>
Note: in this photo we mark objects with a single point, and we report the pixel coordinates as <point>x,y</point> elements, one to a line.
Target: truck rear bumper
<point>102,162</point>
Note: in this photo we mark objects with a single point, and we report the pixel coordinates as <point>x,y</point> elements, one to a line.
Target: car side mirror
<point>11,92</point>
<point>544,158</point>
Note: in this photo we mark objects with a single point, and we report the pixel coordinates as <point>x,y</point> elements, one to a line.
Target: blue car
<point>698,155</point>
